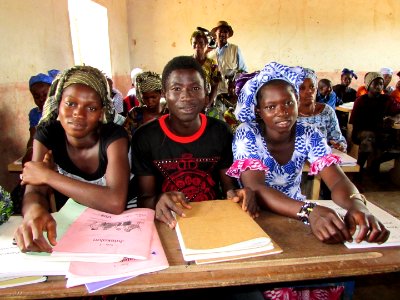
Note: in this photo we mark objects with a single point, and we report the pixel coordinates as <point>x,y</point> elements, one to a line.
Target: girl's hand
<point>36,173</point>
<point>247,197</point>
<point>168,201</point>
<point>327,226</point>
<point>370,229</point>
<point>29,235</point>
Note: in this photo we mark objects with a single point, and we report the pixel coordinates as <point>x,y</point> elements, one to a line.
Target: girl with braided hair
<point>78,152</point>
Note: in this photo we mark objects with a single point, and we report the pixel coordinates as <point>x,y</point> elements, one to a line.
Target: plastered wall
<point>36,38</point>
<point>326,35</point>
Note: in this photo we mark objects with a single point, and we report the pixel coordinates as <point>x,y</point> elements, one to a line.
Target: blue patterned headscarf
<point>45,78</point>
<point>245,108</point>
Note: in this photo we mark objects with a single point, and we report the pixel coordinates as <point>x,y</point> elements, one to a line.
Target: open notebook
<point>220,230</point>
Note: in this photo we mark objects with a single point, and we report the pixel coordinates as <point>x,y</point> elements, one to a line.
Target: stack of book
<point>95,248</point>
<point>220,230</point>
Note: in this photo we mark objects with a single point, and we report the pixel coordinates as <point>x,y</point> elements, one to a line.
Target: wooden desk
<point>15,166</point>
<point>344,108</point>
<point>316,185</point>
<point>303,258</point>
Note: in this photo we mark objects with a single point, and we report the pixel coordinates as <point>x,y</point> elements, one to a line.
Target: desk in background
<point>348,165</point>
<point>303,258</point>
<point>15,166</point>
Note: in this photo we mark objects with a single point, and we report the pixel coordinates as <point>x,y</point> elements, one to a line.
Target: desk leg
<point>316,187</point>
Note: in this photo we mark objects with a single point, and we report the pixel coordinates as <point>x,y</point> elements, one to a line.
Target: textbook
<point>14,263</point>
<point>95,234</point>
<point>219,230</point>
<point>7,282</point>
<point>390,222</point>
<point>87,272</point>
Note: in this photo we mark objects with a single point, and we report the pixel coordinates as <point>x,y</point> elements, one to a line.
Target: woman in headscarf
<point>319,114</point>
<point>78,151</point>
<point>343,89</point>
<point>271,150</point>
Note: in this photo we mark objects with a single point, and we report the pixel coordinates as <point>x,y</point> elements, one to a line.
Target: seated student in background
<point>148,92</point>
<point>183,156</point>
<point>130,101</point>
<point>319,114</point>
<point>362,90</point>
<point>78,151</point>
<point>270,152</point>
<point>326,94</point>
<point>39,87</point>
<point>387,74</point>
<point>346,94</point>
<point>343,90</point>
<point>395,95</point>
<point>367,117</point>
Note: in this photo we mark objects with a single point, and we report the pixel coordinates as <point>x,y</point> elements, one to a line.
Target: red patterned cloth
<point>242,165</point>
<point>323,162</point>
<point>320,293</point>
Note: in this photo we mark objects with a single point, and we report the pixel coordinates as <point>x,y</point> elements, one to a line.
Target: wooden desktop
<point>303,258</point>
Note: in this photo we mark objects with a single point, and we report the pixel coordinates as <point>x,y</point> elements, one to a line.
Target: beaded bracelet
<point>305,211</point>
<point>361,197</point>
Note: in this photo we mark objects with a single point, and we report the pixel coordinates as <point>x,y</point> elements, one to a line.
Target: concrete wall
<point>119,47</point>
<point>36,38</point>
<point>326,35</point>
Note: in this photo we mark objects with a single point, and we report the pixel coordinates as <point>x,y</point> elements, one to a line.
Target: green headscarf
<point>147,82</point>
<point>86,75</point>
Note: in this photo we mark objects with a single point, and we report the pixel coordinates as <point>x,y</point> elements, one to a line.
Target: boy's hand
<point>169,201</point>
<point>247,197</point>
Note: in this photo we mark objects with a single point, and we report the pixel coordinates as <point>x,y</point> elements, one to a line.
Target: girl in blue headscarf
<point>270,149</point>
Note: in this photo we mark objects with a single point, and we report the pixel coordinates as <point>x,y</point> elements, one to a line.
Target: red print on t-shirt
<point>189,175</point>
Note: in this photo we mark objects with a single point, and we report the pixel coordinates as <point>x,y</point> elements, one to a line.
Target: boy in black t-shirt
<point>184,155</point>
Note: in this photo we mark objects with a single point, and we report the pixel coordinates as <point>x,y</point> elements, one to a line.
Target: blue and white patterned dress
<point>250,152</point>
<point>328,124</point>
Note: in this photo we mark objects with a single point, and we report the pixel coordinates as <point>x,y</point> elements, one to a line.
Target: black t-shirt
<point>52,135</point>
<point>346,94</point>
<point>187,164</point>
<point>368,113</point>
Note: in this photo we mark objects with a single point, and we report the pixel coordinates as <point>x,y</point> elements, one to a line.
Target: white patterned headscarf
<point>245,108</point>
<point>309,73</point>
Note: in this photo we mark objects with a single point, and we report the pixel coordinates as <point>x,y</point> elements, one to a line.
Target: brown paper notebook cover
<point>218,228</point>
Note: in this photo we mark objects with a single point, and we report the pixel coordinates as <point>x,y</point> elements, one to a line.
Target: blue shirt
<point>331,99</point>
<point>34,116</point>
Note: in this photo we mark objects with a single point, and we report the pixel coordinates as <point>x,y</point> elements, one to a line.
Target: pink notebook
<point>97,234</point>
<point>86,272</point>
